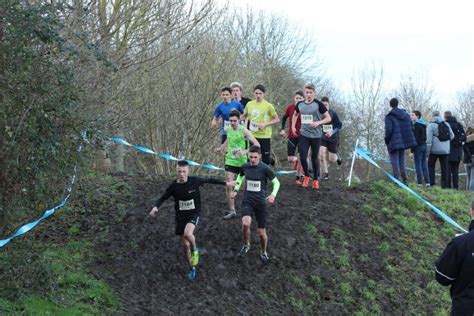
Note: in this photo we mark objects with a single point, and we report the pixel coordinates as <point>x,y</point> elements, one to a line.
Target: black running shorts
<point>260,211</point>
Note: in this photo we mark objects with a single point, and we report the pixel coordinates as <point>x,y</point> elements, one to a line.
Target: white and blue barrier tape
<point>407,168</point>
<point>364,153</point>
<point>27,227</point>
<point>119,140</point>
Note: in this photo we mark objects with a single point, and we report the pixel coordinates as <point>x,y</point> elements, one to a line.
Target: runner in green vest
<point>235,154</point>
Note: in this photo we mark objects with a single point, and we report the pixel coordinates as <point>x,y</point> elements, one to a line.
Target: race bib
<point>186,205</point>
<point>236,152</point>
<point>226,125</point>
<point>306,118</point>
<point>327,129</point>
<point>253,186</point>
<point>253,127</point>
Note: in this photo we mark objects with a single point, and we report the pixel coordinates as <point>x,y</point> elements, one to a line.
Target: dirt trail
<point>143,262</point>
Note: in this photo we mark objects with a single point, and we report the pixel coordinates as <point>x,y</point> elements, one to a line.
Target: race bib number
<point>253,186</point>
<point>306,118</point>
<point>236,152</point>
<point>253,127</point>
<point>226,125</point>
<point>327,129</point>
<point>186,205</point>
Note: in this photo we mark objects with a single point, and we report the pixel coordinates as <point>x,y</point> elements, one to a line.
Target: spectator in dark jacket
<point>398,137</point>
<point>437,149</point>
<point>455,150</point>
<point>455,267</point>
<point>419,151</point>
<point>469,158</point>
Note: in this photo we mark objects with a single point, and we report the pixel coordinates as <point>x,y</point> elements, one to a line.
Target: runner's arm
<point>275,119</point>
<point>164,197</point>
<point>275,186</point>
<point>250,137</point>
<point>240,179</point>
<point>337,124</point>
<point>283,122</point>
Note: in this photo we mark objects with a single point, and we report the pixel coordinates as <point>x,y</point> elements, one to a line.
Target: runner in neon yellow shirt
<point>261,115</point>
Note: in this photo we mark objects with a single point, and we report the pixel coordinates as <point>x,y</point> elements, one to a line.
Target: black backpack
<point>459,136</point>
<point>443,131</point>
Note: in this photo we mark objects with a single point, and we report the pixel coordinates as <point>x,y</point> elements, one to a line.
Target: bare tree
<point>465,108</point>
<point>416,93</point>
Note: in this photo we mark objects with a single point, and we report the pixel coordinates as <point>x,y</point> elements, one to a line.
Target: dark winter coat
<point>399,130</point>
<point>468,149</point>
<point>455,267</point>
<point>455,153</point>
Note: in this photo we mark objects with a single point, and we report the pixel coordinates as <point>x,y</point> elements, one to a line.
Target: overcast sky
<point>405,36</point>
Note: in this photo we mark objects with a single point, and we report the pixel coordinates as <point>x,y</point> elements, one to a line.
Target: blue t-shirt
<point>223,110</point>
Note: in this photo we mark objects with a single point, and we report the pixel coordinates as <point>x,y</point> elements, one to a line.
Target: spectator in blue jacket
<point>398,137</point>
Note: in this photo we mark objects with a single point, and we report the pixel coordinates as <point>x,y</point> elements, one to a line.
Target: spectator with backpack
<point>455,149</point>
<point>438,137</point>
<point>469,158</point>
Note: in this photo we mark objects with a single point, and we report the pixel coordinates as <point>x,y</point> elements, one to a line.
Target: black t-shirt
<point>244,101</point>
<point>187,198</point>
<point>256,178</point>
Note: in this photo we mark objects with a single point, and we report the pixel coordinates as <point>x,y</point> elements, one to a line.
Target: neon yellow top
<point>260,112</point>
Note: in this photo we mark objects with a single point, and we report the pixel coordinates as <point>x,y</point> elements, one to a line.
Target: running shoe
<point>232,214</point>
<point>305,182</point>
<point>264,258</point>
<point>339,160</point>
<point>243,252</point>
<point>326,176</point>
<point>315,185</point>
<point>194,257</point>
<point>192,274</point>
<point>295,165</point>
<point>298,181</point>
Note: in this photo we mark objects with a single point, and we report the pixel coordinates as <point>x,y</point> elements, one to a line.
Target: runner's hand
<point>231,184</point>
<point>271,199</point>
<point>153,212</point>
<point>293,130</point>
<point>314,124</point>
<point>260,125</point>
<point>283,133</point>
<point>328,135</point>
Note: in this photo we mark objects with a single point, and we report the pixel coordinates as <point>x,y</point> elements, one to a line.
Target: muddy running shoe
<point>243,252</point>
<point>192,274</point>
<point>194,257</point>
<point>232,214</point>
<point>339,160</point>
<point>315,185</point>
<point>295,165</point>
<point>264,258</point>
<point>305,182</point>
<point>326,176</point>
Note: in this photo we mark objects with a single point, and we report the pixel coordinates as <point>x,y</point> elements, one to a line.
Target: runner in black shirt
<point>187,204</point>
<point>256,174</point>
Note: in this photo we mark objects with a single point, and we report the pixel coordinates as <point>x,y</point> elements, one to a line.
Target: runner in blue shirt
<point>222,111</point>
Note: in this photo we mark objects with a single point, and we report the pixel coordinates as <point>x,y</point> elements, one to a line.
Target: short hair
<point>324,99</point>
<point>235,84</point>
<point>393,102</point>
<point>259,87</point>
<point>183,163</point>
<point>310,86</point>
<point>226,89</point>
<point>300,93</point>
<point>255,149</point>
<point>418,114</point>
<point>448,114</point>
<point>435,113</point>
<point>235,113</point>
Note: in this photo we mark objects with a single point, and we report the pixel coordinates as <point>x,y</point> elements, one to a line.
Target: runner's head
<point>325,101</point>
<point>234,117</point>
<point>299,96</point>
<point>415,115</point>
<point>259,92</point>
<point>225,94</point>
<point>255,154</point>
<point>236,90</point>
<point>182,169</point>
<point>309,92</point>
